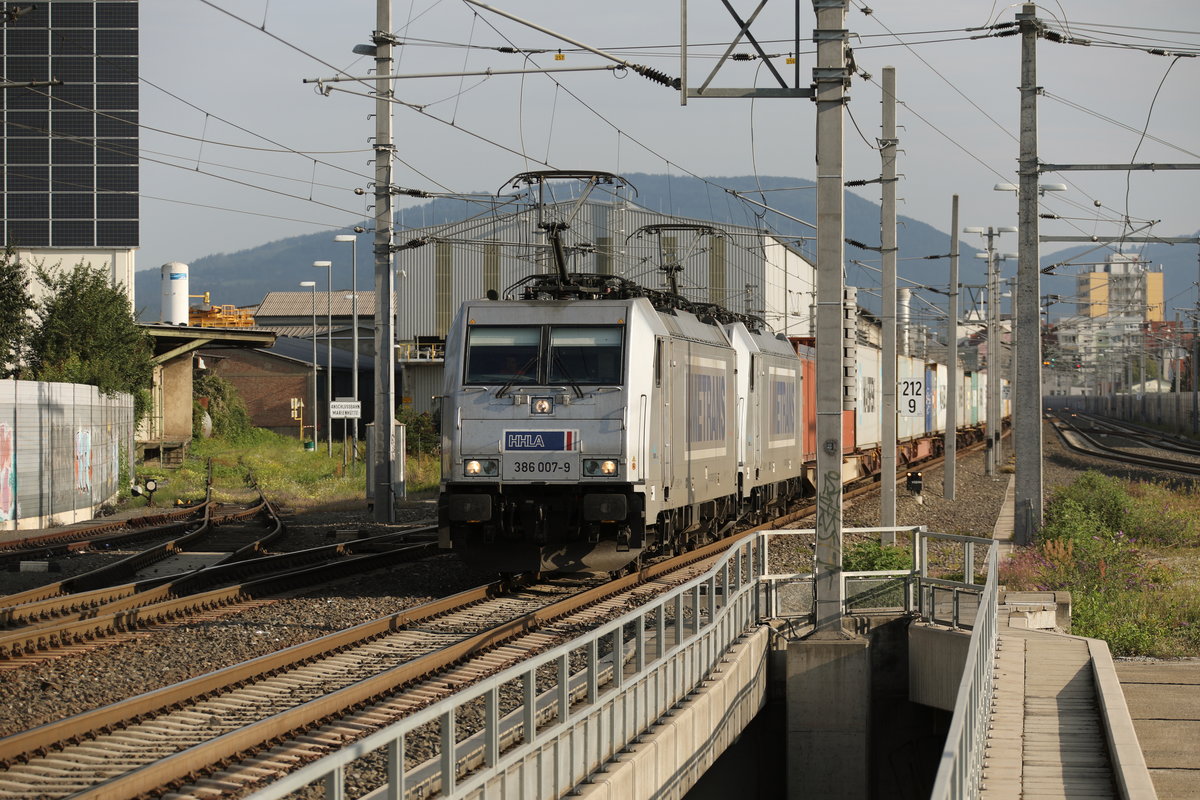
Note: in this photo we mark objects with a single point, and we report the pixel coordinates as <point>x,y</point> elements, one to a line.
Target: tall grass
<point>287,473</point>
<point>1104,541</point>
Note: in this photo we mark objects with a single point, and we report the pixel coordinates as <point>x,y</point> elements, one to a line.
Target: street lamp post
<point>313,285</point>
<point>328,267</point>
<point>353,240</point>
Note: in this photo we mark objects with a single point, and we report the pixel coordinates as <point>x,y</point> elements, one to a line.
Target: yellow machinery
<point>210,316</point>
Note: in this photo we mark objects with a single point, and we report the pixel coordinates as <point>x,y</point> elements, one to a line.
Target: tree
<point>16,314</point>
<point>86,333</point>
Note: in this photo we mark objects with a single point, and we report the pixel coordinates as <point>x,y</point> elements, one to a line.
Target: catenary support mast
<point>1027,411</point>
<point>952,374</point>
<point>888,146</point>
<point>831,78</point>
<point>385,279</point>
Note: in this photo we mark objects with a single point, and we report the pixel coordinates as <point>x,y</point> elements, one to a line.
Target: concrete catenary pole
<point>1196,360</point>
<point>952,374</point>
<point>830,77</point>
<point>994,371</point>
<point>888,146</point>
<point>385,279</point>
<point>1027,413</point>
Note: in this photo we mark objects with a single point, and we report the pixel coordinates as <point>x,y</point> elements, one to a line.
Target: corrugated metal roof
<point>340,332</point>
<point>299,304</point>
<point>302,350</point>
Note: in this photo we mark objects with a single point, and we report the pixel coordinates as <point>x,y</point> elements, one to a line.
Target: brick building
<point>268,379</point>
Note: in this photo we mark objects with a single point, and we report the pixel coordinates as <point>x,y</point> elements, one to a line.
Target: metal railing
<point>939,600</point>
<point>633,670</point>
<point>961,768</point>
<point>611,684</point>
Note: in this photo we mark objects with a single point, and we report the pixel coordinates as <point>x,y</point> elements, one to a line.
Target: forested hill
<point>244,278</point>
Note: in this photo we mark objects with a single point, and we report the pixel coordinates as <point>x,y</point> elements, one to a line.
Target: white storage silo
<point>175,293</point>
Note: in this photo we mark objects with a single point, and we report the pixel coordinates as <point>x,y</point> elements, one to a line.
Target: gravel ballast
<point>36,693</point>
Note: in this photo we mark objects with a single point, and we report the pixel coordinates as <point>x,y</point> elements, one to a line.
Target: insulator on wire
<point>656,76</point>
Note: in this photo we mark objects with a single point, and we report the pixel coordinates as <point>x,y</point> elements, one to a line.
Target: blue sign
<point>540,440</point>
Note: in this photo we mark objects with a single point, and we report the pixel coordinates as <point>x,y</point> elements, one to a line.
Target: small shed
<point>270,378</point>
<point>166,432</point>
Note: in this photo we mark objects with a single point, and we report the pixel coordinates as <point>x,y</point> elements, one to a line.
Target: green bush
<point>1101,496</point>
<point>870,555</point>
<point>1089,546</point>
<point>230,419</point>
<point>1124,619</point>
<point>1164,515</point>
<point>420,432</point>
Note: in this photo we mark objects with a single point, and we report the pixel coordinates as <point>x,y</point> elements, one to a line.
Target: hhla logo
<point>519,440</point>
<point>540,440</point>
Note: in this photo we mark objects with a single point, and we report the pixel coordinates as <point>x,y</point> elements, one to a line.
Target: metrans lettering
<point>706,393</point>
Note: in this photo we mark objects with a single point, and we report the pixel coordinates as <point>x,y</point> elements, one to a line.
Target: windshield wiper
<point>519,373</point>
<point>557,359</point>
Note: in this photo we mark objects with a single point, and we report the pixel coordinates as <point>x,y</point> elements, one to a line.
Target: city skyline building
<point>1124,285</point>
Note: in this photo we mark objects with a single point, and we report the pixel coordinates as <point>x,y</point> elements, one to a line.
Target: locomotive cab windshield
<point>533,355</point>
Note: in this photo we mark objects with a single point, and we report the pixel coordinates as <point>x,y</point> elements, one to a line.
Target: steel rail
<point>49,610</point>
<point>103,577</point>
<point>76,538</point>
<point>19,746</point>
<point>113,531</point>
<point>189,593</point>
<point>1140,433</point>
<point>1114,454</point>
<point>186,763</point>
<point>151,778</point>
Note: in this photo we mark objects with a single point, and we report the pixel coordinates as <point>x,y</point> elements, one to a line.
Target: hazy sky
<point>237,151</point>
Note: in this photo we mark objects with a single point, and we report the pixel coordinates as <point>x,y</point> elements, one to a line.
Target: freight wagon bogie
<point>518,528</point>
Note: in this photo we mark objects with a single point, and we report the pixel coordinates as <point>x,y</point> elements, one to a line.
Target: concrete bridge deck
<point>1164,701</point>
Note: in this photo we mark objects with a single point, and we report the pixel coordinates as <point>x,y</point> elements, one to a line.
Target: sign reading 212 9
<point>911,393</point>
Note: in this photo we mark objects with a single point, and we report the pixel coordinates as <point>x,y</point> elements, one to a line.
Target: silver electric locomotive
<point>590,421</point>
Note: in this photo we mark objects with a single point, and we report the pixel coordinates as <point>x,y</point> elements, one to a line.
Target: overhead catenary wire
<point>619,131</point>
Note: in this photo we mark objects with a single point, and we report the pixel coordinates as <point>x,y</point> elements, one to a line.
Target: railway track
<point>290,706</point>
<point>39,627</point>
<point>95,536</point>
<point>103,535</point>
<point>221,560</point>
<point>1084,440</point>
<point>301,681</point>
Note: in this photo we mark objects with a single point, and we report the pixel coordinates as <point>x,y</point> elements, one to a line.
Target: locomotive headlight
<point>482,466</point>
<point>599,466</point>
<point>541,405</point>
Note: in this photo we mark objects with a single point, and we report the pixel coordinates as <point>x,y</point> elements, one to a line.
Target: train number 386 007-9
<point>541,466</point>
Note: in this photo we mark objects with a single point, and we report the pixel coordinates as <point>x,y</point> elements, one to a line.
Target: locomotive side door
<point>664,384</point>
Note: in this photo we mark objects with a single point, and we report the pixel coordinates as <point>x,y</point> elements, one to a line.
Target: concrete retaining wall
<point>668,761</point>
